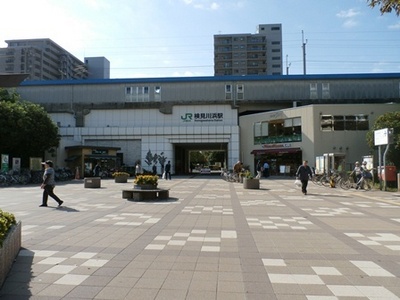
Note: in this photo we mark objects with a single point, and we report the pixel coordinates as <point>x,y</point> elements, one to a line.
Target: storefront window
<point>277,131</point>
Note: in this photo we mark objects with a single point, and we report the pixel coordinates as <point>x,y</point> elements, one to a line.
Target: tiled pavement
<point>211,240</point>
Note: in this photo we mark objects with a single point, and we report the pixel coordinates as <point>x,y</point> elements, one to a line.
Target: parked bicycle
<point>229,176</point>
<point>365,181</point>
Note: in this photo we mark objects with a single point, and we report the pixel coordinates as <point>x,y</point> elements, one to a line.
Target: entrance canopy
<point>275,151</point>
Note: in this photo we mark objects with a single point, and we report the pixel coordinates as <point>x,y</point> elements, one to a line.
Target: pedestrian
<point>259,168</point>
<point>49,184</point>
<point>266,170</point>
<point>237,169</point>
<point>357,172</point>
<point>304,173</point>
<point>154,169</point>
<point>138,169</point>
<point>96,170</point>
<point>168,170</point>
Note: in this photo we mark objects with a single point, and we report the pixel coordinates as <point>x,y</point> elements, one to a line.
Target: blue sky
<point>168,38</point>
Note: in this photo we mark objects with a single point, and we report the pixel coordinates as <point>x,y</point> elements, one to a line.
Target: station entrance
<point>199,158</point>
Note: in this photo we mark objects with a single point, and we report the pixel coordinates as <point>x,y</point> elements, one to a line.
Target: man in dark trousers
<point>49,184</point>
<point>168,170</point>
<point>304,173</point>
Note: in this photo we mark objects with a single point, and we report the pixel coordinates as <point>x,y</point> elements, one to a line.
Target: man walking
<point>304,173</point>
<point>49,184</point>
<point>168,171</point>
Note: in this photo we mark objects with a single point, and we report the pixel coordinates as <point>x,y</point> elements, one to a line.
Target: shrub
<point>6,221</point>
<point>146,179</point>
<point>247,174</point>
<point>119,174</point>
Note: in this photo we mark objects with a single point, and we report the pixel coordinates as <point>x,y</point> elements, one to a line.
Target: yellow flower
<point>146,179</point>
<point>119,174</point>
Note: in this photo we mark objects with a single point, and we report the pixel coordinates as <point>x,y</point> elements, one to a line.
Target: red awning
<point>275,150</point>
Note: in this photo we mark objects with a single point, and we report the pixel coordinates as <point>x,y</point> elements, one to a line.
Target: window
<point>228,92</point>
<point>257,129</point>
<point>137,94</point>
<point>338,122</point>
<point>362,122</point>
<point>325,91</point>
<point>313,91</point>
<point>157,93</point>
<point>341,123</point>
<point>278,131</point>
<point>326,122</point>
<point>240,91</point>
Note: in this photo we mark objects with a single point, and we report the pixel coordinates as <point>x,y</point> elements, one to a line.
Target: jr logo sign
<point>187,118</point>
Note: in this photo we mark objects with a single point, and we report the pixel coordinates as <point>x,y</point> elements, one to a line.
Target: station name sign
<point>203,117</point>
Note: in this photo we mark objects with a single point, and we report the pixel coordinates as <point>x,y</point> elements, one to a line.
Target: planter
<point>121,179</point>
<point>253,183</point>
<point>145,186</point>
<point>9,251</point>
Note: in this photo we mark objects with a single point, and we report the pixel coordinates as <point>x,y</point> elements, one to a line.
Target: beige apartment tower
<point>249,54</point>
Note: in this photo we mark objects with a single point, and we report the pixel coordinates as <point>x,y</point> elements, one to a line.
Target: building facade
<point>245,117</point>
<point>249,54</point>
<point>43,59</point>
<point>315,132</point>
<point>97,67</point>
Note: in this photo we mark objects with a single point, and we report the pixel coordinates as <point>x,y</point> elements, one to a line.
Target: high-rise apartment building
<point>249,54</point>
<point>43,59</point>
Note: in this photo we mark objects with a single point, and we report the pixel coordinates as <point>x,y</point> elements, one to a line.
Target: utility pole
<point>304,52</point>
<point>287,65</point>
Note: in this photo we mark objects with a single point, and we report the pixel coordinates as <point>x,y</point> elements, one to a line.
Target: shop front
<point>83,159</point>
<point>282,161</point>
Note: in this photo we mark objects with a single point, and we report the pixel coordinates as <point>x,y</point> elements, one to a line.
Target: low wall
<point>9,251</point>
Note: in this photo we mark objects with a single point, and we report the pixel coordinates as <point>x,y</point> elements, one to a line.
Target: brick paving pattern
<point>211,240</point>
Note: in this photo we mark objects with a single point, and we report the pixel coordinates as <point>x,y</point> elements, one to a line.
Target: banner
<point>4,162</point>
<point>16,164</point>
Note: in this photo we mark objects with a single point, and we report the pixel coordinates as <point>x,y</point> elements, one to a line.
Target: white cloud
<point>349,17</point>
<point>186,74</point>
<point>350,13</point>
<point>203,4</point>
<point>395,26</point>
<point>214,6</point>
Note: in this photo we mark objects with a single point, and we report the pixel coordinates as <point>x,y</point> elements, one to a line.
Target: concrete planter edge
<point>9,251</point>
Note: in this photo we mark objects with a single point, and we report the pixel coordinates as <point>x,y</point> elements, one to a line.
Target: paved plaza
<point>211,240</point>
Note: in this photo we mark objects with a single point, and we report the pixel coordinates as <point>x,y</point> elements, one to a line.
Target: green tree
<point>388,120</point>
<point>386,6</point>
<point>198,157</point>
<point>26,130</point>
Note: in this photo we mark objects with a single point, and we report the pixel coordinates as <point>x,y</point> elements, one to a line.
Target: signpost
<point>383,137</point>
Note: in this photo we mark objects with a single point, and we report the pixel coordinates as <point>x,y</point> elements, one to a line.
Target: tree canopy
<point>386,6</point>
<point>26,130</point>
<point>388,120</point>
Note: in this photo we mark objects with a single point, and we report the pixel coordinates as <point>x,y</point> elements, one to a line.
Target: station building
<point>282,119</point>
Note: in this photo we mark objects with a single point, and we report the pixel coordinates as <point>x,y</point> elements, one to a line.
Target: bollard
<point>398,182</point>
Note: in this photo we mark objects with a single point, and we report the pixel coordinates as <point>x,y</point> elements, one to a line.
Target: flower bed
<point>146,180</point>
<point>10,243</point>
